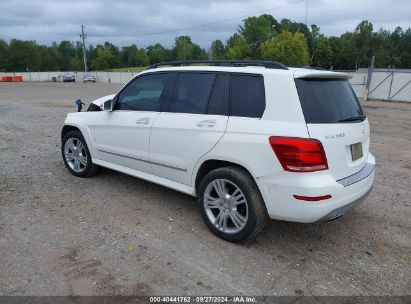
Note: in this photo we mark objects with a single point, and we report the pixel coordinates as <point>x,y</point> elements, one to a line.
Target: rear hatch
<point>334,116</point>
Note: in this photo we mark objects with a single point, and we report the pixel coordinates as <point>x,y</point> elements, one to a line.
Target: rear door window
<point>192,92</point>
<point>218,103</point>
<point>247,96</point>
<point>328,101</point>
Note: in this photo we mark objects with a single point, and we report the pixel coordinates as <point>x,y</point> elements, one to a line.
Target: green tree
<point>107,57</point>
<point>322,56</point>
<point>343,51</point>
<point>405,49</point>
<point>217,50</point>
<point>297,27</point>
<point>321,53</point>
<point>157,53</point>
<point>4,56</point>
<point>24,55</point>
<point>66,52</point>
<point>256,30</point>
<point>185,49</point>
<point>129,56</point>
<point>142,59</point>
<point>385,50</point>
<point>363,37</point>
<point>287,48</point>
<point>48,58</point>
<point>256,37</point>
<point>237,48</point>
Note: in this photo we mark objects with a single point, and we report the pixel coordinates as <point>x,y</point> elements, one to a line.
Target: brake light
<point>299,154</point>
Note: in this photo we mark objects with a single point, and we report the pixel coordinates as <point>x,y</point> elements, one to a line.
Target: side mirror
<point>108,105</point>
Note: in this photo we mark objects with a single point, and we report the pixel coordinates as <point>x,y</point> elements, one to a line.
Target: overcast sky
<point>144,22</point>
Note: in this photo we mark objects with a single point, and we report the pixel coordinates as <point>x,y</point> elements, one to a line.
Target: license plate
<point>356,151</point>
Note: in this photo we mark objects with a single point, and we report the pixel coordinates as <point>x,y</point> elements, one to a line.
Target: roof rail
<point>226,63</point>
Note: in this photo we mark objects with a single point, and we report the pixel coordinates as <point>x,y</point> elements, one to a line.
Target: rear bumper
<point>278,191</point>
<point>342,210</point>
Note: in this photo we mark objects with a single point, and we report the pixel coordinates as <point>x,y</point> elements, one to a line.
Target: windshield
<point>328,101</point>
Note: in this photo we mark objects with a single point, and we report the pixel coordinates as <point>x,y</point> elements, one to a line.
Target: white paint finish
<point>338,149</point>
<point>282,101</point>
<point>179,140</point>
<point>100,101</point>
<point>278,190</point>
<point>122,137</point>
<point>246,143</point>
<point>84,122</point>
<point>148,177</point>
<point>305,73</point>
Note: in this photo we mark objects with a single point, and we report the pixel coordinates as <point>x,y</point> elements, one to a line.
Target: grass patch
<point>128,69</point>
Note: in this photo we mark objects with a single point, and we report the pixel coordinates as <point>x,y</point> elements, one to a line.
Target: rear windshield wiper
<point>355,118</point>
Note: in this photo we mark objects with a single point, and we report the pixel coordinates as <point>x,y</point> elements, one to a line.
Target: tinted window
<point>327,100</point>
<point>218,101</point>
<point>192,92</point>
<point>247,96</point>
<point>143,94</point>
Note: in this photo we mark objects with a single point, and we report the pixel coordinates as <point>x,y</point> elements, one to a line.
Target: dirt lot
<point>114,234</point>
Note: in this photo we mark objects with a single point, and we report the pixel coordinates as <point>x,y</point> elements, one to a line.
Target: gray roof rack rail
<point>227,63</point>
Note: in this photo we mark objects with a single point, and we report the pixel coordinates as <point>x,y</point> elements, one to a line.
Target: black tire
<point>257,212</point>
<point>89,169</point>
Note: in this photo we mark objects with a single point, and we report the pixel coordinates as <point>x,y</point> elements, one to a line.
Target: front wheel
<point>76,155</point>
<point>231,204</point>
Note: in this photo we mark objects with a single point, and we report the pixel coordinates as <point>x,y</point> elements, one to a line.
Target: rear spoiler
<point>321,74</point>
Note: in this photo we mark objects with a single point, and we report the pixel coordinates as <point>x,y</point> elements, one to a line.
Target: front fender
<point>84,122</point>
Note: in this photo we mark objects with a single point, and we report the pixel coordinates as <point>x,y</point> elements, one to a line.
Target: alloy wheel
<point>75,154</point>
<point>226,206</point>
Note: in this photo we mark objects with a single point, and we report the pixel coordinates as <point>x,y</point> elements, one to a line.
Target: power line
<point>222,20</point>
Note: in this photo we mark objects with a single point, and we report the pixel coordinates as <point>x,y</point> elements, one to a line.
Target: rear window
<point>328,100</point>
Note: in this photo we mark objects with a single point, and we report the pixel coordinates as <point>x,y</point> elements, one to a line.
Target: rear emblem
<point>335,136</point>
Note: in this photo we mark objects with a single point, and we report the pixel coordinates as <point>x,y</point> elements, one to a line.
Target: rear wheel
<point>76,155</point>
<point>231,204</point>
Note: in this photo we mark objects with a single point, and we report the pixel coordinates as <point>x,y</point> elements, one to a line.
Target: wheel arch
<point>209,165</point>
<point>68,128</point>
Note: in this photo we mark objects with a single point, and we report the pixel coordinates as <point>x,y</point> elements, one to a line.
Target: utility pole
<point>83,37</point>
<point>370,70</point>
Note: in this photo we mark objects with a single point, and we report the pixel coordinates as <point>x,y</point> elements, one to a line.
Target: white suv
<point>251,139</point>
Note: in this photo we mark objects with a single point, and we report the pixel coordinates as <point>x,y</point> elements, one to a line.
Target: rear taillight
<point>299,154</point>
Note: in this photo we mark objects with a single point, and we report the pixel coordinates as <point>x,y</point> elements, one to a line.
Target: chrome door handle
<point>143,121</point>
<point>207,123</point>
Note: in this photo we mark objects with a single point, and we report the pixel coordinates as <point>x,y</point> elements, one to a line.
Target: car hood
<point>99,102</point>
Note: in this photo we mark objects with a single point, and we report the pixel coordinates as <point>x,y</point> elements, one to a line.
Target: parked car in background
<point>89,78</point>
<point>69,77</point>
<point>251,140</point>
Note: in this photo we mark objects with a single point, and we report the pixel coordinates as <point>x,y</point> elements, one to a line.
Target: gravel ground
<point>115,234</point>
